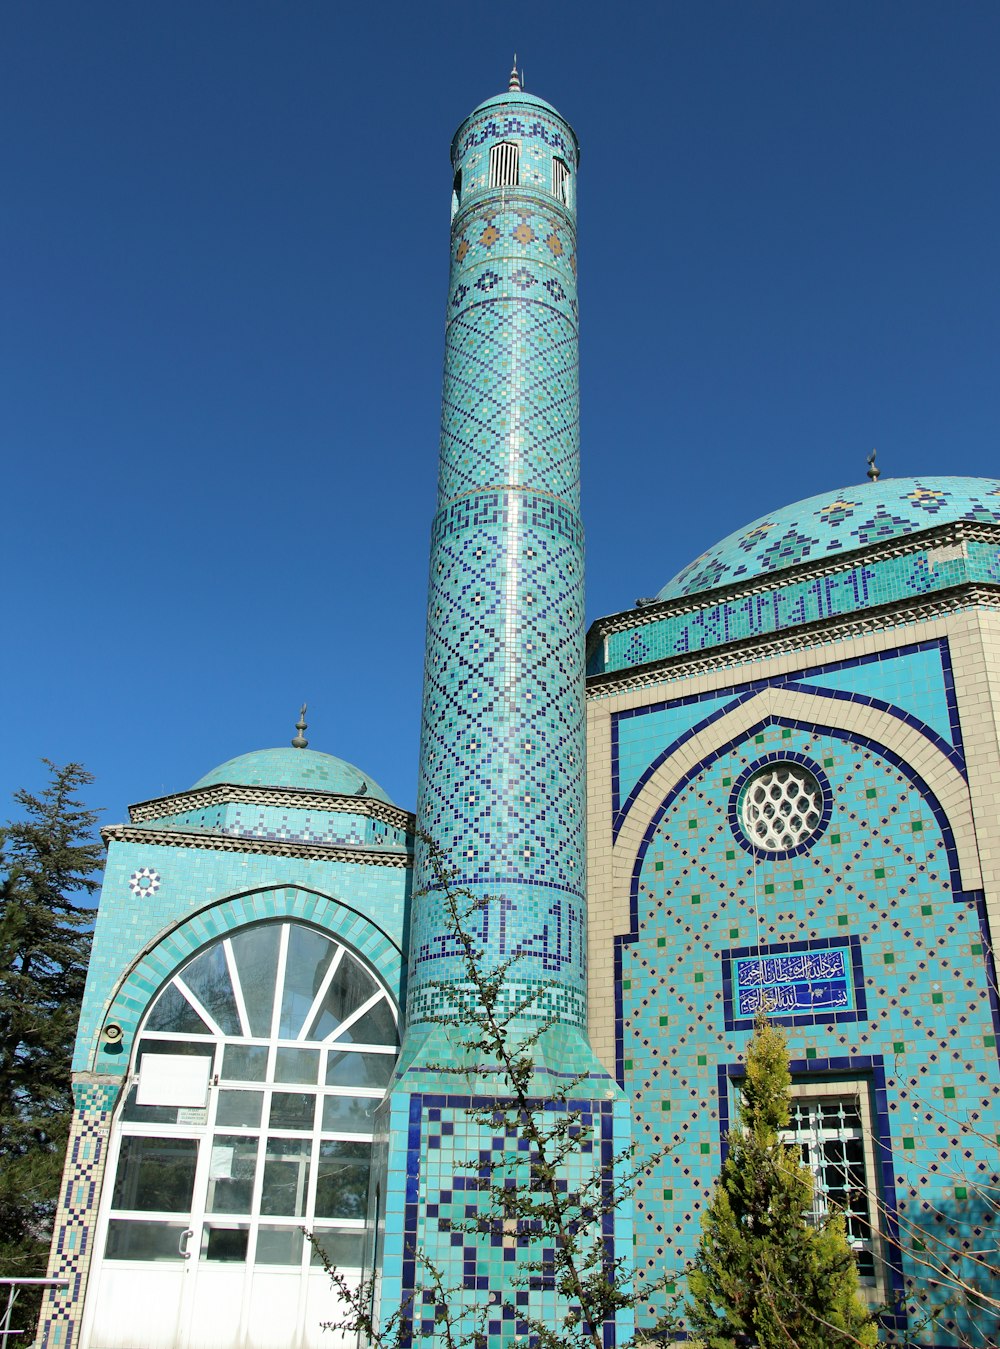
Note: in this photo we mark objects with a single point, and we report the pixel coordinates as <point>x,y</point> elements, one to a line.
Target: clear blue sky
<point>223,257</point>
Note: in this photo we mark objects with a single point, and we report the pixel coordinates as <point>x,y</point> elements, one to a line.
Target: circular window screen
<point>781,807</point>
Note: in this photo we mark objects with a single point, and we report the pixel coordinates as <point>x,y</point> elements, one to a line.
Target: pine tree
<point>48,860</point>
<point>766,1273</point>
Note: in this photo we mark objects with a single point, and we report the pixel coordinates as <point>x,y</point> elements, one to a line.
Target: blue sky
<point>223,258</point>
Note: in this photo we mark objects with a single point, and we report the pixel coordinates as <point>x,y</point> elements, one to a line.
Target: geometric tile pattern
<point>71,1252</point>
<point>851,517</point>
<point>872,906</point>
<point>446,1197</point>
<point>913,683</point>
<point>501,786</point>
<point>243,820</point>
<point>790,602</point>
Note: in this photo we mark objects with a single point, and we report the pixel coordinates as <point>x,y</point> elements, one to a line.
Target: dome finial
<point>300,742</point>
<point>873,472</point>
<point>516,83</point>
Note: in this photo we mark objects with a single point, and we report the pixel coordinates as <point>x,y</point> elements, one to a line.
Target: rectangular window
<point>829,1132</point>
<point>504,164</point>
<point>156,1175</point>
<point>560,181</point>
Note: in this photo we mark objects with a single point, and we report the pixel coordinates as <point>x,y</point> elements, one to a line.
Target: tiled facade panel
<point>148,890</point>
<point>864,585</point>
<point>915,682</point>
<point>443,1193</point>
<point>877,962</point>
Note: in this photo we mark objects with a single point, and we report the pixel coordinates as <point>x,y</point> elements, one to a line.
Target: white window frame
<point>560,180</point>
<point>505,164</point>
<point>857,1092</point>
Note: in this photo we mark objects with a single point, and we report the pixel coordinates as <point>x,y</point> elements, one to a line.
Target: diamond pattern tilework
<point>501,785</point>
<point>878,880</point>
<point>502,741</point>
<point>837,521</point>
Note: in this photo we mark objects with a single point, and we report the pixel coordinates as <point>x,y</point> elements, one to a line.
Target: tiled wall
<point>284,824</point>
<point>889,891</point>
<point>150,889</point>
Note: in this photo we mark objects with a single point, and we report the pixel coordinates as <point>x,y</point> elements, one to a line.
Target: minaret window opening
<point>505,160</point>
<point>456,193</point>
<point>560,181</point>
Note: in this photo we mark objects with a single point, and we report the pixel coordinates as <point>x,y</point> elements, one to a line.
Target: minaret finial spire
<point>300,741</point>
<point>873,472</point>
<point>516,83</point>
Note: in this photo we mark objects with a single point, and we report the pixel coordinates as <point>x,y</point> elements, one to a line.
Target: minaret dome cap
<point>507,101</point>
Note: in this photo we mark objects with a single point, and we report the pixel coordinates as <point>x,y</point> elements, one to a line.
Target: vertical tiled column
<point>76,1216</point>
<point>502,774</point>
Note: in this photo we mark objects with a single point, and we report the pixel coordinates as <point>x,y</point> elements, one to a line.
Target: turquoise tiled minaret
<point>502,741</point>
<point>502,785</point>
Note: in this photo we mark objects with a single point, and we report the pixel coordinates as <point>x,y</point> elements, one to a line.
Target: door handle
<point>185,1237</point>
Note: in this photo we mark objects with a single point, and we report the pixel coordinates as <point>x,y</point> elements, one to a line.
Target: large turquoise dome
<point>837,522</point>
<point>304,769</point>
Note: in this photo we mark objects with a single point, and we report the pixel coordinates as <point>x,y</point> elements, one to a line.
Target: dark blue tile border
<point>775,757</point>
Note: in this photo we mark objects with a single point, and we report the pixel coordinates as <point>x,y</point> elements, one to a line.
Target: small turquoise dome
<point>836,522</point>
<point>305,769</point>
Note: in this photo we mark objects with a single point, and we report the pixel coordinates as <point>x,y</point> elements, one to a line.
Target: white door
<point>248,1117</point>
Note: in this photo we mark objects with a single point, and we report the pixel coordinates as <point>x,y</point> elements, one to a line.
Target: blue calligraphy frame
<point>780,954</point>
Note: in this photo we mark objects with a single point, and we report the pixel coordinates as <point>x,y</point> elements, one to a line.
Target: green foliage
<point>48,861</point>
<point>766,1274</point>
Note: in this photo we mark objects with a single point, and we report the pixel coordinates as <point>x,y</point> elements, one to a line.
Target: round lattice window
<point>781,807</point>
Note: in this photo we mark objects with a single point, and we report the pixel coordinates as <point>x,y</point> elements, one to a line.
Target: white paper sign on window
<point>173,1079</point>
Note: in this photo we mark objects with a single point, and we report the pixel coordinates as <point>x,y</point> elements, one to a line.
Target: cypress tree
<point>48,861</point>
<point>768,1274</point>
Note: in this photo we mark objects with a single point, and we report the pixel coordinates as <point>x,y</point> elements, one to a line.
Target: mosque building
<point>774,784</point>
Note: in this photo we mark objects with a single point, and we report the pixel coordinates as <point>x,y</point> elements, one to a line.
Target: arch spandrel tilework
<point>882,728</point>
<point>159,962</point>
<point>879,895</point>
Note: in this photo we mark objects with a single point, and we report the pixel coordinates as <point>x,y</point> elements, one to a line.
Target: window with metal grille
<point>560,181</point>
<point>504,164</point>
<point>829,1133</point>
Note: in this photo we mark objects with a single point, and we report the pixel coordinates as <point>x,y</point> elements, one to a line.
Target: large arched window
<point>249,1110</point>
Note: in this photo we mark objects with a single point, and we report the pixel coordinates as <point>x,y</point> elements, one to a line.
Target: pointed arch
<point>159,961</point>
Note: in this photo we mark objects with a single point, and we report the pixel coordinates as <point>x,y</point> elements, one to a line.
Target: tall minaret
<point>502,758</point>
<point>502,788</point>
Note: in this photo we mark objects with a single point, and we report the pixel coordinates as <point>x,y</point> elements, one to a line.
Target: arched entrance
<point>247,1117</point>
